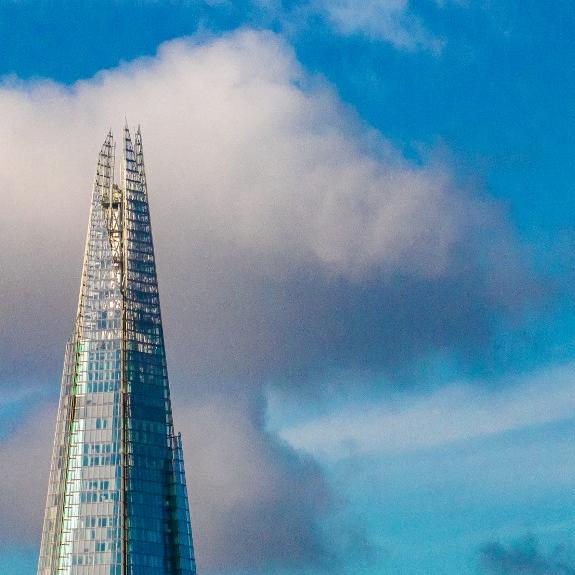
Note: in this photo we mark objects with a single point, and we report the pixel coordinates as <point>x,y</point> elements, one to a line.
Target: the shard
<point>117,500</point>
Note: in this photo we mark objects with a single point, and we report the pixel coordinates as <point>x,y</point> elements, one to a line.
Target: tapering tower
<point>117,501</point>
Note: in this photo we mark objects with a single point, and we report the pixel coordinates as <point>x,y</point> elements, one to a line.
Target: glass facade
<point>117,501</point>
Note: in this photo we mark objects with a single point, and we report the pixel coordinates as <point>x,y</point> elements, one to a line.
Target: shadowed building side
<point>117,501</point>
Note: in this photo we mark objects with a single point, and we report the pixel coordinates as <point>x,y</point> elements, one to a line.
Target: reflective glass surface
<point>117,501</point>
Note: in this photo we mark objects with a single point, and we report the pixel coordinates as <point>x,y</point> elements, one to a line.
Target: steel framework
<point>117,500</point>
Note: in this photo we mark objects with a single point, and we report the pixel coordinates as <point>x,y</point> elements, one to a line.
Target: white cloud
<point>257,174</point>
<point>235,141</point>
<point>451,414</point>
<point>271,205</point>
<point>389,20</point>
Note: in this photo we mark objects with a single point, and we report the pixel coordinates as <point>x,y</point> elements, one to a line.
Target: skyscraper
<point>117,501</point>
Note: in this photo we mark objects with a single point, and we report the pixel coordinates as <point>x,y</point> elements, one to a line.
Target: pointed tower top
<point>115,384</point>
<point>127,135</point>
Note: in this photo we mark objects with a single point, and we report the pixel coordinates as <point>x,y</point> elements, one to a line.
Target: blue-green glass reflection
<point>117,501</point>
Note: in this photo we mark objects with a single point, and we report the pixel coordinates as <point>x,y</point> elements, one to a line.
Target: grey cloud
<point>24,466</point>
<point>255,502</point>
<point>524,558</point>
<point>289,237</point>
<point>292,242</point>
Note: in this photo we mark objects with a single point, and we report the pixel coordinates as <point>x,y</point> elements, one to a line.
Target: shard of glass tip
<point>117,501</point>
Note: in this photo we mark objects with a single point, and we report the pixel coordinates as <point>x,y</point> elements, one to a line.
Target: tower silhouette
<point>117,501</point>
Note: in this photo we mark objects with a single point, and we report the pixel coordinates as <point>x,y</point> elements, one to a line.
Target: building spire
<point>117,499</point>
<point>140,159</point>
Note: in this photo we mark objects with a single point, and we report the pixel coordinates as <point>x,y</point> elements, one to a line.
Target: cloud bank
<point>292,241</point>
<point>292,236</point>
<point>451,414</point>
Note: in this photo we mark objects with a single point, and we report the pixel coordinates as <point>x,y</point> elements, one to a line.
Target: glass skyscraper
<point>117,501</point>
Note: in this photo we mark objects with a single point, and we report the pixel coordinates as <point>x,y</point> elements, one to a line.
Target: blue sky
<point>398,366</point>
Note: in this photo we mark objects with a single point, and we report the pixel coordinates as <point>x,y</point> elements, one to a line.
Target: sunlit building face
<point>117,501</point>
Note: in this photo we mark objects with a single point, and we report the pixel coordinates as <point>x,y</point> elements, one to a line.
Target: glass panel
<point>117,500</point>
